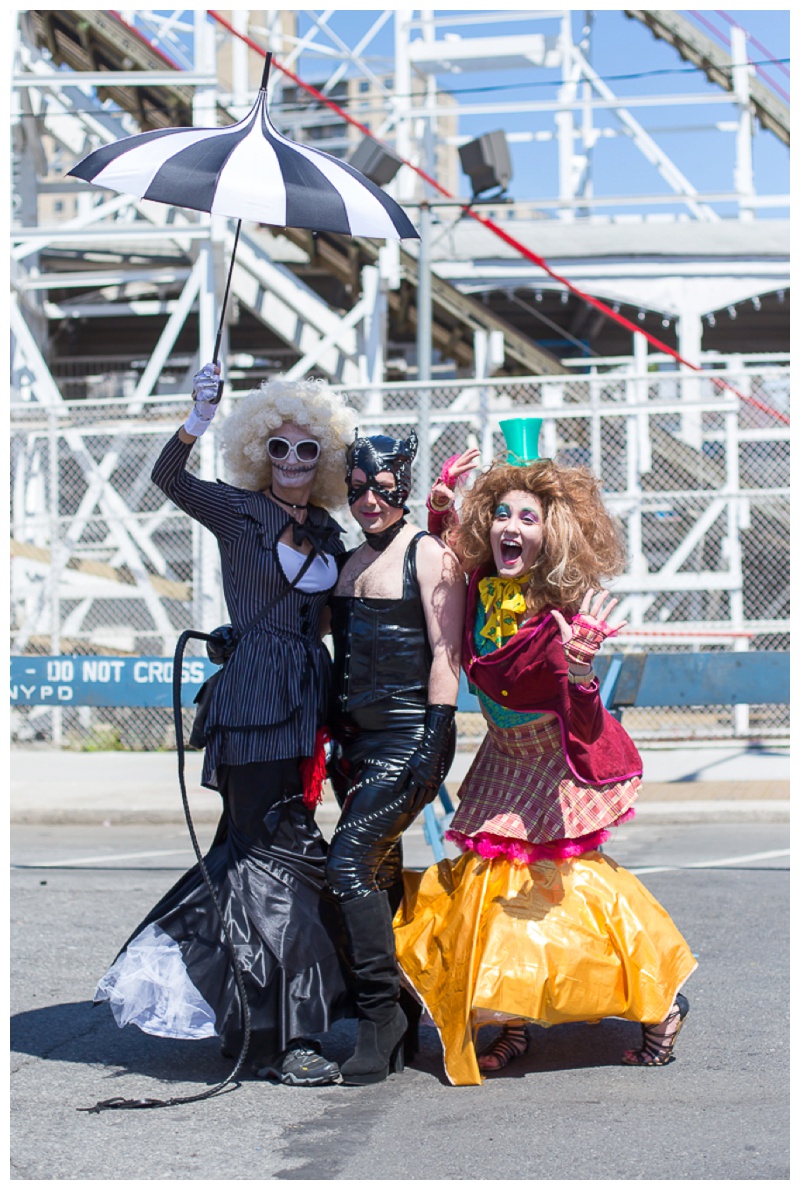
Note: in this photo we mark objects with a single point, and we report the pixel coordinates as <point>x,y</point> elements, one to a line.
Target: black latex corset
<point>381,646</point>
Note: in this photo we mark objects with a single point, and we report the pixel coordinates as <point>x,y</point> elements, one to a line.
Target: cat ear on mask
<point>411,444</point>
<point>352,452</point>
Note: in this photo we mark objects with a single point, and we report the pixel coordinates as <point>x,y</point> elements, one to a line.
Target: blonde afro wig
<point>310,405</point>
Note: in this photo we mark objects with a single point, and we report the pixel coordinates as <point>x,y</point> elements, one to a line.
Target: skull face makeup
<point>381,453</point>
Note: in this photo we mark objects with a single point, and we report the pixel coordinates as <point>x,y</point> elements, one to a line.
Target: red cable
<point>295,79</point>
<point>503,235</point>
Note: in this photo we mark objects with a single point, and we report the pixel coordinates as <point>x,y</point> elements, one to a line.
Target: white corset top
<point>320,576</point>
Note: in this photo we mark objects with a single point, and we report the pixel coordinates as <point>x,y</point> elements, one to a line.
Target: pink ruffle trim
<point>519,851</point>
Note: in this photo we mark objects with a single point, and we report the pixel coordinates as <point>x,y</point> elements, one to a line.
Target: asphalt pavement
<point>98,837</point>
<point>567,1111</point>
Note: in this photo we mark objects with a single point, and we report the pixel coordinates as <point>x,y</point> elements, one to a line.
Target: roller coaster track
<point>693,46</point>
<point>92,40</point>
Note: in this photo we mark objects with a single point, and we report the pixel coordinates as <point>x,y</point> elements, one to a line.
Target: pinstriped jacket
<point>273,691</point>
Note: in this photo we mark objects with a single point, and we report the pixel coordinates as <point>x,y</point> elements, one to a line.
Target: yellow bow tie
<point>502,598</point>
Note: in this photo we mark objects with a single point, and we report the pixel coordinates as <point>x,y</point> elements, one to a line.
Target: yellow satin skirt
<point>485,941</point>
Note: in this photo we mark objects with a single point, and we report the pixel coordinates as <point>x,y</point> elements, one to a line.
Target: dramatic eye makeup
<point>528,516</point>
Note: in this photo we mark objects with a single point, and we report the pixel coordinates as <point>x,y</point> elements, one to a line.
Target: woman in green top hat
<point>533,923</point>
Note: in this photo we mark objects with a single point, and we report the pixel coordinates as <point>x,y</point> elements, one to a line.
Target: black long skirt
<point>174,976</point>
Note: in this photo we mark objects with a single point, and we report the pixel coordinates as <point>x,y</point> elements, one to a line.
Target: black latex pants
<point>371,747</point>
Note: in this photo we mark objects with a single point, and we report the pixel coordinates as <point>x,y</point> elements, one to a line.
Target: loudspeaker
<point>375,162</point>
<point>486,162</point>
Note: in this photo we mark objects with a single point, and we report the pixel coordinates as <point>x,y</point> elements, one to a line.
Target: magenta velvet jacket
<point>529,673</point>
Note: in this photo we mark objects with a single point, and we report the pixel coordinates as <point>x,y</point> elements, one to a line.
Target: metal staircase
<point>89,40</point>
<point>456,316</point>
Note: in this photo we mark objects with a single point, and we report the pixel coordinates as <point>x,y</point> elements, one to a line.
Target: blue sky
<point>620,47</point>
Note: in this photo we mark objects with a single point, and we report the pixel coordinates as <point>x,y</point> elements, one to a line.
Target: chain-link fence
<point>696,472</point>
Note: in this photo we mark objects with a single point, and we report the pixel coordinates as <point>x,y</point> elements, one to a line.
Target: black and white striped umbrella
<point>248,171</point>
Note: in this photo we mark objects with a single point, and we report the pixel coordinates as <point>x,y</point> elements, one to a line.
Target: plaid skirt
<point>520,786</point>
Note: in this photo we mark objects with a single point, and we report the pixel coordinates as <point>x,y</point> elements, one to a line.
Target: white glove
<point>205,387</point>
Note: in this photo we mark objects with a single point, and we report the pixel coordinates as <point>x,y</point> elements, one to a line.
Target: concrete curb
<point>652,813</point>
<point>682,786</point>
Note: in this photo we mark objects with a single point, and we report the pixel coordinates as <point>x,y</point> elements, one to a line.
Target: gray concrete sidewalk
<point>682,783</point>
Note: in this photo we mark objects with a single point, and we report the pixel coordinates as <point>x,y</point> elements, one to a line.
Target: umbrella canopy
<point>248,171</point>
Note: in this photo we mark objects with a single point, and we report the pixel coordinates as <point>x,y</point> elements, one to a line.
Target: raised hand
<point>596,613</point>
<point>457,468</point>
<point>589,628</point>
<point>206,387</point>
<point>454,471</point>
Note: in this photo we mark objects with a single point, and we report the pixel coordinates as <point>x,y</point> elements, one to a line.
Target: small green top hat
<point>522,439</point>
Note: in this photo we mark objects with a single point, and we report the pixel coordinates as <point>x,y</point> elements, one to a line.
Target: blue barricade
<point>81,681</point>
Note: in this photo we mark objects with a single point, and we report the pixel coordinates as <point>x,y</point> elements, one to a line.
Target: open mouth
<point>510,552</point>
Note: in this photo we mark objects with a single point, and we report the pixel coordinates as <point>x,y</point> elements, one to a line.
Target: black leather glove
<point>427,767</point>
<point>222,643</point>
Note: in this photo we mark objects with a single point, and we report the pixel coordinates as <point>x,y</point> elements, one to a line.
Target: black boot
<point>409,1003</point>
<point>382,1024</point>
<point>413,1011</point>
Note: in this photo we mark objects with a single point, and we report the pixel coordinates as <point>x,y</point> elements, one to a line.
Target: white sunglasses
<point>305,451</point>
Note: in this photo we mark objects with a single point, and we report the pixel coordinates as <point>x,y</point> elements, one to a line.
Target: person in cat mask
<point>396,616</point>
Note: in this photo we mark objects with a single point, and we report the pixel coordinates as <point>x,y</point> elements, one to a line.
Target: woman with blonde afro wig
<point>533,923</point>
<point>310,404</point>
<point>263,740</point>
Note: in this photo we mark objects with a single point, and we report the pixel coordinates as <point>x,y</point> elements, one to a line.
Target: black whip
<point>118,1102</point>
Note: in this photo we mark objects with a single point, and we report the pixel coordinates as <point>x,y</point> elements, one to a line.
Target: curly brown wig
<point>581,545</point>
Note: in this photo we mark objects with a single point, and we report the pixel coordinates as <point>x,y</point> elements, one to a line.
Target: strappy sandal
<point>512,1043</point>
<point>658,1041</point>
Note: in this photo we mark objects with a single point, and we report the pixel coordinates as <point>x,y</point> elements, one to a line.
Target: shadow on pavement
<point>561,1047</point>
<point>86,1034</point>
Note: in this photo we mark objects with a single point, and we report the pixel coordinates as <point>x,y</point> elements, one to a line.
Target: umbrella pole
<point>227,291</point>
<point>265,76</point>
<point>218,343</point>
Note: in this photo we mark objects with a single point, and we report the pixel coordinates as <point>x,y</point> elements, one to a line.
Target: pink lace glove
<point>447,477</point>
<point>454,472</point>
